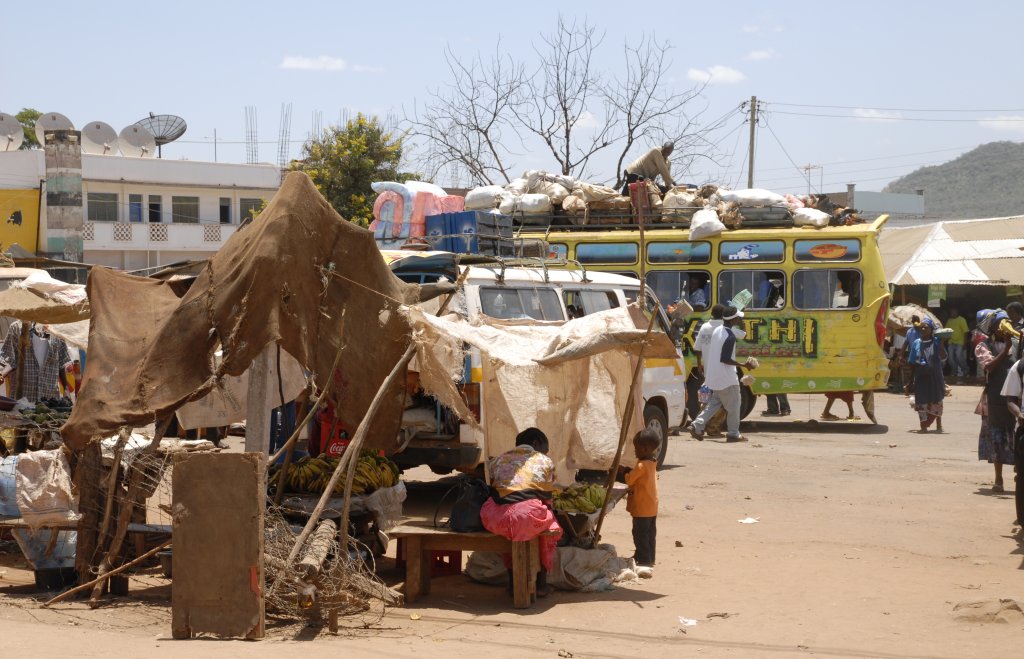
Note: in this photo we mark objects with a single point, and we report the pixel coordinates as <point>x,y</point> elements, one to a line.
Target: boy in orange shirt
<point>642,501</point>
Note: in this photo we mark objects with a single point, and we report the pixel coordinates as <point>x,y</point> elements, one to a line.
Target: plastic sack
<point>680,197</point>
<point>705,223</point>
<point>794,202</point>
<point>386,502</point>
<point>534,204</point>
<point>556,192</point>
<point>752,197</point>
<point>704,394</point>
<point>518,186</point>
<point>508,203</point>
<point>484,198</point>
<point>573,205</point>
<point>422,186</point>
<point>589,192</point>
<point>810,217</point>
<point>487,567</point>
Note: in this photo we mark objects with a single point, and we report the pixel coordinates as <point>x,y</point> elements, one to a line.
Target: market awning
<point>979,252</point>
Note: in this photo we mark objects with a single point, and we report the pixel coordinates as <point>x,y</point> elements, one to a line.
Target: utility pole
<point>807,173</point>
<point>753,124</point>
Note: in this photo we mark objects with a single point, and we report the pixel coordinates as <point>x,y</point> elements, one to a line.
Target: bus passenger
<point>695,293</point>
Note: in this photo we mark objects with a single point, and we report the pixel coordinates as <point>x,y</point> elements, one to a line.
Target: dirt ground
<point>868,537</point>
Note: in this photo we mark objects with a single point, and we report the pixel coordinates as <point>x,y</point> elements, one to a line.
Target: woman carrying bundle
<point>927,354</point>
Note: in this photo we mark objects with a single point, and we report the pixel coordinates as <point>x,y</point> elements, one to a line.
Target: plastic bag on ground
<point>484,198</point>
<point>810,217</point>
<point>752,197</point>
<point>705,223</point>
<point>386,502</point>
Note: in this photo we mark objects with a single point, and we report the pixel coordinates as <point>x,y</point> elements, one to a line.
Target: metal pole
<point>753,124</point>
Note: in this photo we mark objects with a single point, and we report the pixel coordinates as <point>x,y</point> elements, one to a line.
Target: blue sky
<point>887,66</point>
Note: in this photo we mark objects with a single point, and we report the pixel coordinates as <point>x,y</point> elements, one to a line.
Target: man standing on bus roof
<point>720,376</point>
<point>649,166</point>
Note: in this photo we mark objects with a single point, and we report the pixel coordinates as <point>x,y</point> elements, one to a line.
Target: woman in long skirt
<point>927,355</point>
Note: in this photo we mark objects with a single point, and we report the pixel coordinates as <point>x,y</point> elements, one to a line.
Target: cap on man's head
<point>732,312</point>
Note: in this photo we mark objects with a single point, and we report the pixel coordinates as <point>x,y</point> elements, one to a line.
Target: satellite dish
<point>137,142</point>
<point>51,121</point>
<point>164,127</point>
<point>100,139</point>
<point>11,133</point>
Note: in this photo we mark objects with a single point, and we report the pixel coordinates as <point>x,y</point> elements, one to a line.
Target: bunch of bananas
<point>580,498</point>
<point>373,472</point>
<point>313,474</point>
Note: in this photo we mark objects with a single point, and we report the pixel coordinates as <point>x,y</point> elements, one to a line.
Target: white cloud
<point>586,121</point>
<point>715,75</point>
<point>870,114</point>
<point>321,63</point>
<point>1009,123</point>
<point>755,55</point>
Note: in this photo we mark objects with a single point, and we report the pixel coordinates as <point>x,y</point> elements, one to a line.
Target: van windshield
<point>510,303</point>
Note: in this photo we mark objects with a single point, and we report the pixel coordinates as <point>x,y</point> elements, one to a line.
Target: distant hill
<point>985,182</point>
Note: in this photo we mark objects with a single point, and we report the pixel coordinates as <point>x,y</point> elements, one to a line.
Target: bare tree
<point>646,109</point>
<point>564,107</point>
<point>469,122</point>
<point>559,107</point>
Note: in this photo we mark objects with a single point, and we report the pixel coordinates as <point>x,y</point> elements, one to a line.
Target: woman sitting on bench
<point>522,481</point>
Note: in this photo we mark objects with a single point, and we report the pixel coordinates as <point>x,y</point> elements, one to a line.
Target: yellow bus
<point>815,300</point>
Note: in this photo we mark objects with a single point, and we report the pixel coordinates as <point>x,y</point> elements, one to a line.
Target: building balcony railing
<point>155,237</point>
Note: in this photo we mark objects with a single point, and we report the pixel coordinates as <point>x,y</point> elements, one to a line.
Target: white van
<point>433,435</point>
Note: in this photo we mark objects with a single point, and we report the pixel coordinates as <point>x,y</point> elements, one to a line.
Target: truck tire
<point>655,419</point>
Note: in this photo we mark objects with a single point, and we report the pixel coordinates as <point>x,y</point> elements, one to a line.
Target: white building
<point>145,212</point>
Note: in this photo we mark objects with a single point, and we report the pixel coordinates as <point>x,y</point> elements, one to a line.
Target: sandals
<point>829,417</point>
<point>998,487</point>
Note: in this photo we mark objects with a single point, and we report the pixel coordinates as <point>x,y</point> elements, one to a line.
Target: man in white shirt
<point>705,331</point>
<point>1012,389</point>
<point>720,376</point>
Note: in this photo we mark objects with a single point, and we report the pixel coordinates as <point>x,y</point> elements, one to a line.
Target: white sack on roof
<point>705,223</point>
<point>484,198</point>
<point>569,379</point>
<point>810,217</point>
<point>533,204</point>
<point>752,197</point>
<point>518,186</point>
<point>589,192</point>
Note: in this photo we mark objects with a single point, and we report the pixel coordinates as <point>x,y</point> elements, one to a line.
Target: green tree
<point>27,118</point>
<point>344,160</point>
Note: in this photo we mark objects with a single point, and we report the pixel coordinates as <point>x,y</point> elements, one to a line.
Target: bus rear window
<point>816,251</point>
<point>606,252</point>
<point>827,289</point>
<point>510,303</point>
<point>699,252</point>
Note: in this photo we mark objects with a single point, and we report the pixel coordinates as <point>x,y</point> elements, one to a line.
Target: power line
<point>901,155</point>
<point>887,118</point>
<point>862,107</point>
<point>783,147</point>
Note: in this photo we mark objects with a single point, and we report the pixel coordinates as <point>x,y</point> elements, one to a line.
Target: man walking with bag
<point>720,376</point>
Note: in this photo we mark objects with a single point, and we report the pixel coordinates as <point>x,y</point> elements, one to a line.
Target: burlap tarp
<point>298,276</point>
<point>569,379</point>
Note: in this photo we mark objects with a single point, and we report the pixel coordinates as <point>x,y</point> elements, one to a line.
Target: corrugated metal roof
<point>985,252</point>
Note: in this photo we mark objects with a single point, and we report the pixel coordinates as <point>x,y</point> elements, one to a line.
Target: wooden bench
<point>420,541</point>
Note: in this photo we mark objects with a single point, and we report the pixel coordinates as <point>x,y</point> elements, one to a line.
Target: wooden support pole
<point>317,549</point>
<point>257,414</point>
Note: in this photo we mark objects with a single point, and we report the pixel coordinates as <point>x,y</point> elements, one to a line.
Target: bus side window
<point>670,286</point>
<point>767,288</point>
<point>827,289</point>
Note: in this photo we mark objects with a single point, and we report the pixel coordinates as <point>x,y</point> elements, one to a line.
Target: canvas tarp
<point>569,379</point>
<point>299,276</point>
